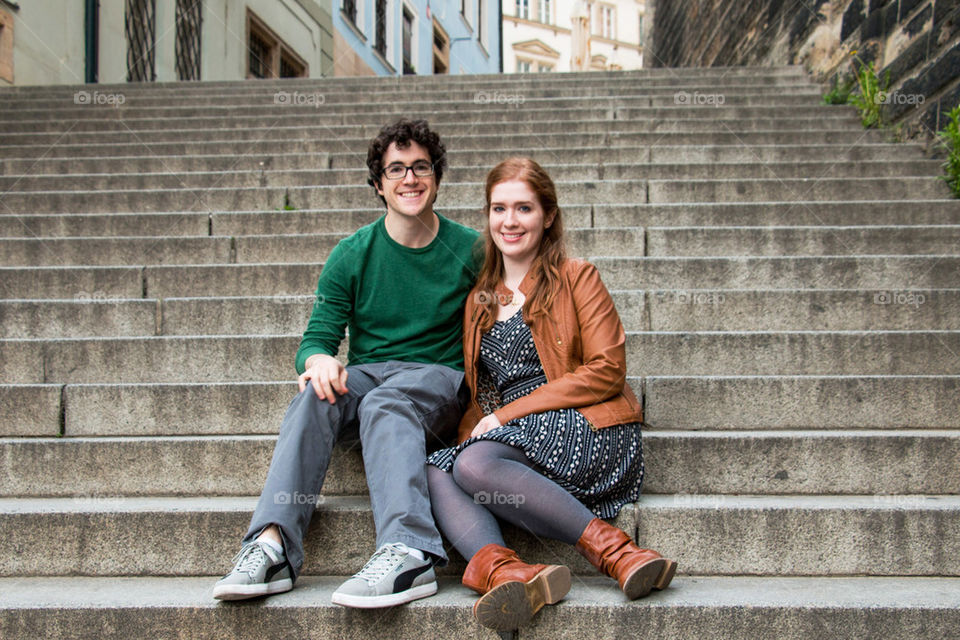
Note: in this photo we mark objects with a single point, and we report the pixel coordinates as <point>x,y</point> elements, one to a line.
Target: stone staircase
<point>790,285</point>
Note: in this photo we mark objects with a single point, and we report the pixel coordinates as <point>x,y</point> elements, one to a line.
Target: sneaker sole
<point>244,591</point>
<point>388,600</point>
<point>513,604</point>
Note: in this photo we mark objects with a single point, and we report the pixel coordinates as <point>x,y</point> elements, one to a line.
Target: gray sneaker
<point>391,577</point>
<point>259,571</point>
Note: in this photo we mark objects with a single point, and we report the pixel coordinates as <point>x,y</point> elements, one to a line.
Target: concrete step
<point>242,117</point>
<point>677,462</point>
<point>793,353</point>
<point>112,284</point>
<point>801,402</point>
<point>661,310</point>
<point>872,155</point>
<point>56,225</point>
<point>613,77</point>
<point>796,190</point>
<point>470,193</point>
<point>520,140</point>
<point>736,535</point>
<point>802,241</point>
<point>423,84</point>
<point>251,358</point>
<point>836,213</point>
<point>242,223</point>
<point>785,272</point>
<point>559,172</point>
<point>693,608</point>
<point>672,403</point>
<point>246,249</point>
<point>481,126</point>
<point>691,93</point>
<point>793,310</point>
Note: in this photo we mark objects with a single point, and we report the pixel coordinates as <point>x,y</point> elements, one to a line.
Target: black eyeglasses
<point>420,168</point>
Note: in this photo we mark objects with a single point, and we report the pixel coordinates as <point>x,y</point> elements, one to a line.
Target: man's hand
<point>327,376</point>
<point>488,423</point>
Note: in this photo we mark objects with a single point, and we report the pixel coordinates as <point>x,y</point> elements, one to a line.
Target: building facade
<point>114,41</point>
<point>572,35</point>
<point>401,37</point>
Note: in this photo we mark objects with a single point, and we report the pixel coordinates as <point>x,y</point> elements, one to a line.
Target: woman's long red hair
<point>551,253</point>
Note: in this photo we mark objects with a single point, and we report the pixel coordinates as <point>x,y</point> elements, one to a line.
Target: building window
<point>640,38</point>
<point>606,21</point>
<point>441,50</point>
<point>350,10</point>
<point>523,66</point>
<point>523,9</point>
<point>544,68</point>
<point>380,29</point>
<point>544,11</point>
<point>408,43</point>
<point>139,20</point>
<point>268,56</point>
<point>187,49</point>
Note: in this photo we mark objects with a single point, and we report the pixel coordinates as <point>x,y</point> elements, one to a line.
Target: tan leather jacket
<point>581,344</point>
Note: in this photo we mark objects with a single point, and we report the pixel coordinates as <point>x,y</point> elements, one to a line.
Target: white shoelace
<point>383,561</point>
<point>250,559</point>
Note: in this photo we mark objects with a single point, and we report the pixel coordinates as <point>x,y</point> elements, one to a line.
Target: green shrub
<point>839,90</point>
<point>871,94</point>
<point>951,137</point>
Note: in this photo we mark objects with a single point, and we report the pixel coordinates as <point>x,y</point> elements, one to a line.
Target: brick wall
<point>916,41</point>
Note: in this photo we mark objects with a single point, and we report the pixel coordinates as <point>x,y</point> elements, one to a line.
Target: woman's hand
<point>327,376</point>
<point>486,424</point>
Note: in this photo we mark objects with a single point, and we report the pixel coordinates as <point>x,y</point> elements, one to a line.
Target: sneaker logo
<point>405,580</point>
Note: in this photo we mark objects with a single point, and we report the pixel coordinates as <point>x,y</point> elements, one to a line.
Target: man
<point>399,285</point>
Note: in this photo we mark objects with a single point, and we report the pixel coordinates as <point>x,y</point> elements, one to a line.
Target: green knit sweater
<point>398,303</point>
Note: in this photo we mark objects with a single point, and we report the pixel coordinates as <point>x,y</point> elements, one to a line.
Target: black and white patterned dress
<point>603,469</point>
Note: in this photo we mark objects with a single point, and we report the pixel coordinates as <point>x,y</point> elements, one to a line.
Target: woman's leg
<point>504,480</point>
<point>466,523</point>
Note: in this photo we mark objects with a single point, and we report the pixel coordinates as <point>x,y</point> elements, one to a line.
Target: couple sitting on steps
<point>506,337</point>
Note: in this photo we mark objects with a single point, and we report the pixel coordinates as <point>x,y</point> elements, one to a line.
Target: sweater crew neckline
<point>382,230</point>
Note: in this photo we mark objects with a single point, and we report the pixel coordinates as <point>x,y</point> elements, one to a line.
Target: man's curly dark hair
<point>402,132</point>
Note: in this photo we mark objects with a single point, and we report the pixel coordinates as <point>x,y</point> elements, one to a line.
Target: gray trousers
<point>395,410</point>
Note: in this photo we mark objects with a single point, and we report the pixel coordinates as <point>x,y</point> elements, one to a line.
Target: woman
<point>560,448</point>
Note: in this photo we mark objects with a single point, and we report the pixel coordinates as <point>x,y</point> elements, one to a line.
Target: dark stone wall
<point>916,41</point>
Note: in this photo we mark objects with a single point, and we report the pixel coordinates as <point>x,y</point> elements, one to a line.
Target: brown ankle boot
<point>511,591</point>
<point>613,552</point>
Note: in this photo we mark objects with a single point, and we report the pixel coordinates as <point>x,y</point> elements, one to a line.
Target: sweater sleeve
<point>332,307</point>
<point>602,374</point>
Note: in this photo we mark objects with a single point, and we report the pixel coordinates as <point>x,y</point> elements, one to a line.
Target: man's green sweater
<point>398,303</point>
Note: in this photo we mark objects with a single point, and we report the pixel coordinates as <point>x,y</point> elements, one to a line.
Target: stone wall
<point>916,41</point>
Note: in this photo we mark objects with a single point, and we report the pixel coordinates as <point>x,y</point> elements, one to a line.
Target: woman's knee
<point>473,469</point>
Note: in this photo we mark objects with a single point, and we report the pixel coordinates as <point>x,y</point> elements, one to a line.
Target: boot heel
<point>663,580</point>
<point>554,583</point>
